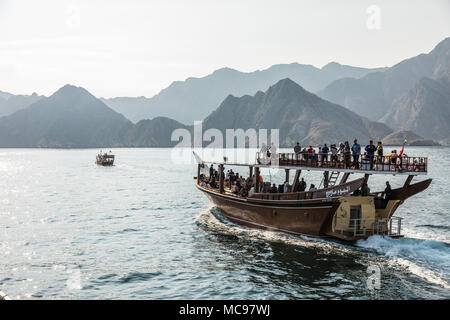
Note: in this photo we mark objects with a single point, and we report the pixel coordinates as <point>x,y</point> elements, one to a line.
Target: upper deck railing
<point>387,164</point>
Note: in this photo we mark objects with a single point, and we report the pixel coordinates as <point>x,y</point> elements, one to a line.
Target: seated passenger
<point>365,190</point>
<point>251,192</point>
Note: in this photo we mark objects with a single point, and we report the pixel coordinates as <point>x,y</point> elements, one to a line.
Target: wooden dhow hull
<point>299,217</point>
<point>310,217</point>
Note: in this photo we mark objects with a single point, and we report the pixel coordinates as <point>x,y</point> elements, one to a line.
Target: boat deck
<point>378,165</point>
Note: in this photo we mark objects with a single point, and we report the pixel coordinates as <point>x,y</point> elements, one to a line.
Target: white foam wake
<point>427,259</point>
<point>215,221</point>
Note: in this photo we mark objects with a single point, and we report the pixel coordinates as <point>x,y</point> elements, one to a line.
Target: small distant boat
<point>105,159</point>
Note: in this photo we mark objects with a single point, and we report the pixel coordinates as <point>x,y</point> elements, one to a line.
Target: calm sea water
<point>141,230</point>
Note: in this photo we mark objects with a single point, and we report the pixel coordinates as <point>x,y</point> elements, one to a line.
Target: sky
<point>137,48</point>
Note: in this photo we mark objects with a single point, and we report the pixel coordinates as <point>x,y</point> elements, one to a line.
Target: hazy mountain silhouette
<point>194,98</point>
<point>73,118</point>
<point>300,116</point>
<point>10,103</point>
<point>397,138</point>
<point>425,110</point>
<point>153,133</point>
<point>70,118</point>
<point>378,93</point>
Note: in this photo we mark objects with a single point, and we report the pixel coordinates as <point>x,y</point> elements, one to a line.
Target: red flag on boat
<point>403,148</point>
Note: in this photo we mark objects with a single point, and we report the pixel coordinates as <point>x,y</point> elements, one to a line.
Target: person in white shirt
<point>313,194</point>
<point>251,192</point>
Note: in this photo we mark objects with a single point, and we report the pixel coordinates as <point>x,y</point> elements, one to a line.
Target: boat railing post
<point>390,226</point>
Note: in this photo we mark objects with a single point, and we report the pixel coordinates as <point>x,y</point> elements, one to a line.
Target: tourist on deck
<point>340,152</point>
<point>387,191</point>
<point>356,152</point>
<point>251,191</point>
<point>347,154</point>
<point>297,150</point>
<point>211,171</point>
<point>392,158</point>
<point>310,152</point>
<point>243,192</point>
<point>273,189</point>
<point>216,174</point>
<point>213,182</point>
<point>313,188</point>
<point>234,189</point>
<point>370,152</point>
<point>379,152</point>
<point>365,190</point>
<point>325,151</point>
<point>341,148</point>
<point>302,185</point>
<point>314,157</point>
<point>334,152</point>
<point>304,153</point>
<point>287,187</point>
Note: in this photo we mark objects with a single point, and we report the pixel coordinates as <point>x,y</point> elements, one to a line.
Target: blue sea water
<point>141,230</point>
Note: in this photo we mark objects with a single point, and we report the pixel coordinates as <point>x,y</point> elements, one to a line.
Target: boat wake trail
<point>213,221</point>
<point>427,259</point>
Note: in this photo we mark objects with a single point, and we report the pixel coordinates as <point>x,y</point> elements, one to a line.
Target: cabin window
<point>355,216</point>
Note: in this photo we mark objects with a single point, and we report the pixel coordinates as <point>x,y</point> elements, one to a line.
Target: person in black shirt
<point>274,189</point>
<point>302,185</point>
<point>387,191</point>
<point>370,152</point>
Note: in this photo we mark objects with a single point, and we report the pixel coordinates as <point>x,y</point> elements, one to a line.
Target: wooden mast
<point>408,181</point>
<point>344,178</point>
<point>296,179</point>
<point>325,178</point>
<point>221,189</point>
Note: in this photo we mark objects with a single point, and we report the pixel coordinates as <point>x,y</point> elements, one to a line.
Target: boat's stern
<point>359,217</point>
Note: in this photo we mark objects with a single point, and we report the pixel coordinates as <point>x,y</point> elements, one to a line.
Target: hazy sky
<point>134,48</point>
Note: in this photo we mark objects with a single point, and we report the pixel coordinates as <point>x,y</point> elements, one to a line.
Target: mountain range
<point>74,118</point>
<point>195,98</point>
<point>70,118</point>
<point>300,116</point>
<point>410,95</point>
<point>10,103</point>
